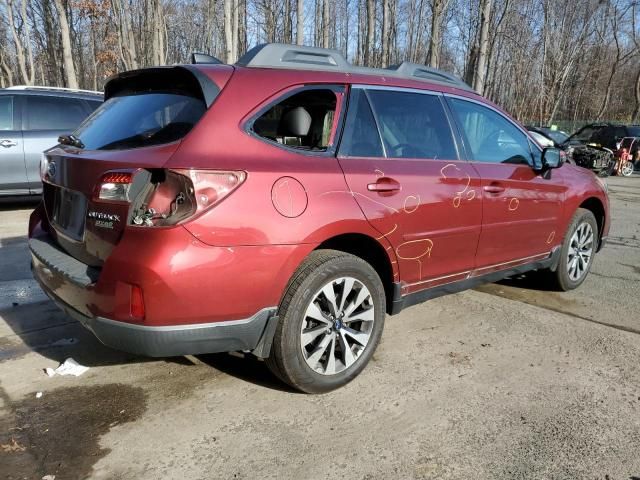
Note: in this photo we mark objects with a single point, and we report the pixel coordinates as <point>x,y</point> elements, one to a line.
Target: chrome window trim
<point>395,89</point>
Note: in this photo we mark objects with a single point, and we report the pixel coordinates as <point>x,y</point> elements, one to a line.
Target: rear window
<point>140,120</point>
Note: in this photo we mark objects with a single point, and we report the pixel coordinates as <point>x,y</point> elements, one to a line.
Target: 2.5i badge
<point>104,220</point>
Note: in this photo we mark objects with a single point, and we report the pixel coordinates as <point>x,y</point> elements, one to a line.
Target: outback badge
<point>104,220</point>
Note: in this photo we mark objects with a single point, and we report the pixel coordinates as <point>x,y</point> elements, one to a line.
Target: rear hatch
<point>145,116</point>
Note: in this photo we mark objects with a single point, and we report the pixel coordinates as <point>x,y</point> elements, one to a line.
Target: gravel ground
<point>506,381</point>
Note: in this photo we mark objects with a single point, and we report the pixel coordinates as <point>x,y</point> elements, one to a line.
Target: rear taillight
<point>180,194</point>
<point>115,186</point>
<point>210,187</point>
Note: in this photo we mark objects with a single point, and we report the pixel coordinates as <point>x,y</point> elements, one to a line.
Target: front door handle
<point>8,143</point>
<point>493,188</point>
<point>384,184</point>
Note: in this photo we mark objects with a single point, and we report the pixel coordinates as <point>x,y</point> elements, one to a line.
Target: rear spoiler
<point>181,79</point>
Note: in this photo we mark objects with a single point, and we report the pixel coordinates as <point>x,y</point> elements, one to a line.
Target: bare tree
<point>438,8</point>
<point>371,25</point>
<point>25,60</point>
<point>300,22</point>
<point>542,60</point>
<point>480,73</point>
<point>67,53</point>
<point>619,56</point>
<point>386,29</point>
<point>228,30</point>
<point>325,24</point>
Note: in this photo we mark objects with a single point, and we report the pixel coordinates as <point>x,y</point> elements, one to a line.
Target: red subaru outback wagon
<point>285,204</point>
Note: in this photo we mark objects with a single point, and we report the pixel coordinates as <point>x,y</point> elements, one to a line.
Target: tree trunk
<point>635,116</point>
<point>386,37</point>
<point>26,73</point>
<point>437,11</point>
<point>300,22</point>
<point>483,47</point>
<point>325,24</point>
<point>67,54</point>
<point>234,29</point>
<point>228,34</point>
<point>371,24</point>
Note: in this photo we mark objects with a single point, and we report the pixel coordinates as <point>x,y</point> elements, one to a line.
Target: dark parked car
<point>596,146</point>
<point>31,120</point>
<point>285,204</point>
<point>607,135</point>
<point>557,136</point>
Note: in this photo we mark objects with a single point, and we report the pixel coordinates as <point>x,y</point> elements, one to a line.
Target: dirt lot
<point>506,381</point>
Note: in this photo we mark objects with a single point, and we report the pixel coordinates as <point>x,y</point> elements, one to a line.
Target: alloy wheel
<point>627,169</point>
<point>337,325</point>
<point>580,251</point>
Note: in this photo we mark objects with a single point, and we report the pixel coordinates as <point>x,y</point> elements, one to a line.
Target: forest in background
<point>559,62</point>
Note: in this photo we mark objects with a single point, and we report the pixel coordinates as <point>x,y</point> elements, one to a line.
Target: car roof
<point>52,92</point>
<point>305,58</point>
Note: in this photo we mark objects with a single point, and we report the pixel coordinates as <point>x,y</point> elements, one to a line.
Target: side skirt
<point>401,302</point>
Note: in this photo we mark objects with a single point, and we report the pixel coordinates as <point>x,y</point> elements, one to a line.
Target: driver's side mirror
<point>552,157</point>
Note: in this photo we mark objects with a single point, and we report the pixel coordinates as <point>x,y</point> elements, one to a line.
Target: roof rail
<point>281,55</point>
<point>54,89</point>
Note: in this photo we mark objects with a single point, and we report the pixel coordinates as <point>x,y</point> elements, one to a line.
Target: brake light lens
<point>115,187</point>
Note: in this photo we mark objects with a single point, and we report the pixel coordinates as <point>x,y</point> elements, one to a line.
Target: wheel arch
<point>595,206</point>
<point>371,251</point>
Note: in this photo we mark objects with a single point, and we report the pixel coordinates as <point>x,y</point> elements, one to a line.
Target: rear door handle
<point>8,143</point>
<point>384,184</point>
<point>493,188</point>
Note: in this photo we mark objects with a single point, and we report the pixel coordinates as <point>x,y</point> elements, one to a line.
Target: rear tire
<point>331,320</point>
<point>577,252</point>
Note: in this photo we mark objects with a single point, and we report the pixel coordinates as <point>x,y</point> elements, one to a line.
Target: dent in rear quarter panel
<point>288,198</point>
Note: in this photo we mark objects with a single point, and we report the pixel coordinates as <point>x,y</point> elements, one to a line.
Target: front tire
<point>331,321</point>
<point>578,249</point>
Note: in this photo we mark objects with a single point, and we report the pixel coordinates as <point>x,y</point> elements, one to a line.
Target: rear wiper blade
<point>70,140</point>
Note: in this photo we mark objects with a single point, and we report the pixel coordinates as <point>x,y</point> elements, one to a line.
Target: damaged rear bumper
<point>168,341</point>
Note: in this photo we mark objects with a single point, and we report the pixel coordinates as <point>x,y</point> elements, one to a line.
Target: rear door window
<point>53,113</point>
<point>140,120</point>
<point>361,137</point>
<point>6,112</point>
<point>306,120</point>
<point>413,125</point>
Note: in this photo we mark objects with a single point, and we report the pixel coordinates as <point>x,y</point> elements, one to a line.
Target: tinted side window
<point>490,137</point>
<point>360,137</point>
<point>413,125</point>
<point>52,113</point>
<point>6,112</point>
